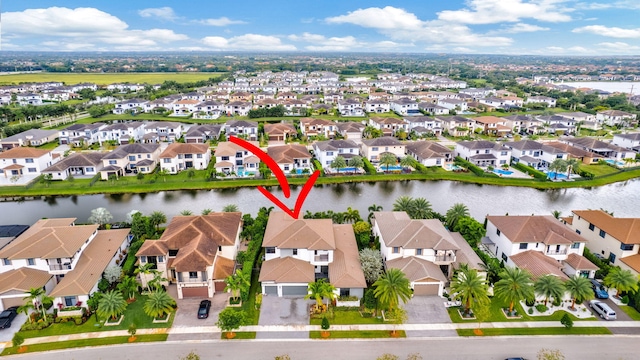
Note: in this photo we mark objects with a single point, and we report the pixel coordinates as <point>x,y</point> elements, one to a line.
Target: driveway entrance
<point>427,310</point>
<point>284,311</point>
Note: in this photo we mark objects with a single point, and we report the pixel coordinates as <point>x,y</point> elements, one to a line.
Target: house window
<point>219,248</point>
<point>90,170</point>
<point>6,262</point>
<point>295,251</point>
<point>602,234</point>
<point>143,259</point>
<point>188,156</point>
<point>113,162</point>
<point>523,246</point>
<point>374,149</point>
<point>396,250</point>
<point>504,257</point>
<point>31,261</point>
<point>199,156</point>
<point>193,274</point>
<point>329,153</point>
<point>418,251</point>
<point>166,161</point>
<point>132,158</point>
<point>160,259</point>
<point>575,245</point>
<point>225,158</point>
<point>626,247</point>
<point>286,167</point>
<point>612,258</point>
<point>173,253</point>
<point>271,250</point>
<point>148,156</point>
<point>578,231</point>
<point>29,161</point>
<point>498,232</point>
<point>70,301</point>
<point>591,226</point>
<point>32,170</point>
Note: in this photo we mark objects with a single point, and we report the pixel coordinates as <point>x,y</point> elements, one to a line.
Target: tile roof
<point>123,151</point>
<point>346,271</point>
<point>223,267</point>
<point>335,144</point>
<point>23,152</point>
<point>383,141</point>
<point>23,279</point>
<point>279,128</point>
<point>92,263</point>
<point>417,269</point>
<point>427,149</point>
<point>287,233</point>
<point>579,262</point>
<point>287,270</point>
<point>632,261</point>
<point>534,229</point>
<point>182,148</point>
<point>538,264</point>
<point>227,148</point>
<point>625,230</point>
<point>466,255</point>
<point>572,150</point>
<point>77,160</point>
<point>285,154</point>
<point>397,229</point>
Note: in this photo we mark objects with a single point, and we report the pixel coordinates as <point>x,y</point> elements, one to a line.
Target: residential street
<point>573,347</point>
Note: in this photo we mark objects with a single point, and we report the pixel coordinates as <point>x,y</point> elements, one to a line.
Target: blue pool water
<point>345,169</point>
<point>390,168</point>
<point>452,167</point>
<point>552,175</point>
<point>502,172</point>
<point>613,162</point>
<point>240,171</point>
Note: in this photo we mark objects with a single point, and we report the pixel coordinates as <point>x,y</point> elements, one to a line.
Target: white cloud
<point>388,17</point>
<point>247,42</point>
<point>522,28</point>
<point>319,42</point>
<point>84,26</point>
<point>222,21</point>
<point>614,32</point>
<point>622,4</point>
<point>619,46</point>
<point>497,11</point>
<point>165,13</point>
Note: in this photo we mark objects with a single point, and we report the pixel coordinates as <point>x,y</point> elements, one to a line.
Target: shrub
<point>566,321</point>
<point>369,300</point>
<point>557,302</point>
<point>541,308</point>
<point>325,324</point>
<point>625,299</point>
<point>530,311</point>
<point>473,168</point>
<point>529,302</point>
<point>531,171</point>
<point>370,169</point>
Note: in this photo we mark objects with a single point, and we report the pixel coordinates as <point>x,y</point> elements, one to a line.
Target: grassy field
<point>84,343</point>
<point>346,317</point>
<point>106,78</point>
<point>537,331</point>
<point>599,170</point>
<point>358,334</point>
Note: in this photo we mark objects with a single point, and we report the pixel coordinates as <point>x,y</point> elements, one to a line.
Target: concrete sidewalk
<point>306,328</point>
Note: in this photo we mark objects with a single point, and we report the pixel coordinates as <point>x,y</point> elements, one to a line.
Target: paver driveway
<point>427,310</point>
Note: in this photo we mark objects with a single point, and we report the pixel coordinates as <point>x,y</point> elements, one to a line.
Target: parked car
<point>516,358</point>
<point>602,309</point>
<point>7,316</point>
<point>599,290</point>
<point>203,310</point>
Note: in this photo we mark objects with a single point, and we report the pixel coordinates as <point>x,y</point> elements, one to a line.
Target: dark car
<point>599,290</point>
<point>203,310</point>
<point>7,316</point>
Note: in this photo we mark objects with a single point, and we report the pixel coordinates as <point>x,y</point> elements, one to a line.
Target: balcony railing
<point>320,258</point>
<point>54,267</point>
<point>557,252</point>
<point>191,280</point>
<point>449,257</point>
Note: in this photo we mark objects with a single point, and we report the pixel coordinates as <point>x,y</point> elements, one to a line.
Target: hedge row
<point>530,171</point>
<point>370,169</point>
<point>473,168</point>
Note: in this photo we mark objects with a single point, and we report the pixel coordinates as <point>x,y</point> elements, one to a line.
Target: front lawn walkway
<point>497,315</point>
<point>341,316</point>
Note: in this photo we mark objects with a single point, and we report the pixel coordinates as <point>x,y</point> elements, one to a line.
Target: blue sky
<point>542,27</point>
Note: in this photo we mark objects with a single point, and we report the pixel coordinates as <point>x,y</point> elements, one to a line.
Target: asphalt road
<point>573,347</point>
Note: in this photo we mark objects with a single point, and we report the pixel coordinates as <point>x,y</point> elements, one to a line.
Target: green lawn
<point>633,313</point>
<point>108,78</point>
<point>85,342</point>
<point>497,315</point>
<point>242,335</point>
<point>599,170</point>
<point>358,334</point>
<point>49,146</point>
<point>346,317</point>
<point>134,314</point>
<point>537,331</point>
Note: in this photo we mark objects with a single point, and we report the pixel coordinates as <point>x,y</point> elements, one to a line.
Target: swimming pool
<point>390,168</point>
<point>345,169</point>
<point>451,167</point>
<point>502,172</point>
<point>240,172</point>
<point>613,162</point>
<point>552,175</point>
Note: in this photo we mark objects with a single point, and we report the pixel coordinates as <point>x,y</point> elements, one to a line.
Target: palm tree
<point>557,166</point>
<point>356,162</point>
<point>338,163</point>
<point>408,161</point>
<point>186,212</point>
<point>373,208</point>
<point>579,289</point>
<point>572,166</point>
<point>556,214</point>
<point>388,159</point>
<point>230,208</point>
<point>469,288</point>
<point>163,173</point>
<point>25,309</point>
<point>158,304</point>
<point>37,297</point>
<point>403,203</point>
<point>420,209</point>
<point>320,289</point>
<point>158,279</point>
<point>455,213</point>
<point>621,280</point>
<point>236,282</point>
<point>352,215</point>
<point>206,211</point>
<point>392,287</point>
<point>143,270</point>
<point>156,218</point>
<point>111,304</point>
<point>549,286</point>
<point>128,286</point>
<point>514,285</point>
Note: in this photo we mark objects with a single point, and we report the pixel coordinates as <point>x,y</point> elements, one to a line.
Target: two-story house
<point>301,251</point>
<point>130,105</point>
<point>279,131</point>
<point>616,239</point>
<point>373,148</point>
<point>247,130</point>
<point>456,125</point>
<point>429,153</point>
<point>209,109</point>
<point>377,106</point>
<point>327,151</point>
<point>492,125</point>
<point>25,161</point>
<point>604,149</point>
<point>548,101</point>
<point>423,125</point>
<point>405,107</point>
<point>123,132</point>
<point>424,246</point>
<point>81,134</point>
<point>483,153</point>
<point>350,107</point>
<point>539,244</point>
<point>239,108</point>
<point>164,130</point>
<point>615,117</point>
<point>200,134</point>
<point>351,130</point>
<point>231,157</point>
<point>130,158</point>
<point>195,252</point>
<point>389,126</point>
<point>182,156</point>
<point>629,141</point>
<point>64,259</point>
<point>291,158</point>
<point>317,127</point>
<point>534,154</point>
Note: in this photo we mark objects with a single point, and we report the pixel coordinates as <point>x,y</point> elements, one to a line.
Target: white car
<point>602,309</point>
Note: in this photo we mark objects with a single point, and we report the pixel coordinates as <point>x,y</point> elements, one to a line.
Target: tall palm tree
<point>392,287</point>
<point>338,163</point>
<point>319,290</point>
<point>230,208</point>
<point>143,270</point>
<point>237,282</point>
<point>420,209</point>
<point>514,285</point>
<point>558,166</point>
<point>572,166</point>
<point>37,298</point>
<point>579,289</point>
<point>469,288</point>
<point>158,304</point>
<point>356,162</point>
<point>156,218</point>
<point>403,203</point>
<point>25,309</point>
<point>455,213</point>
<point>128,286</point>
<point>549,286</point>
<point>388,159</point>
<point>352,215</point>
<point>408,161</point>
<point>621,280</point>
<point>373,208</point>
<point>111,304</point>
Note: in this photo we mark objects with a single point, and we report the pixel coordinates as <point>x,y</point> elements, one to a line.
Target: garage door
<point>9,302</point>
<point>195,292</point>
<point>426,289</point>
<point>219,286</point>
<point>271,290</point>
<point>294,290</point>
